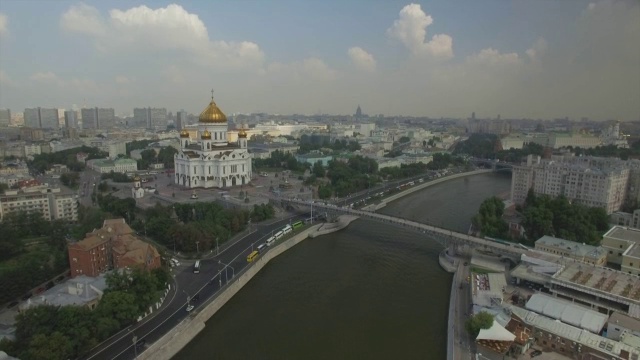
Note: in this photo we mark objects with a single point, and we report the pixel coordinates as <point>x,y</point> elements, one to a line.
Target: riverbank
<point>172,342</point>
<point>385,201</point>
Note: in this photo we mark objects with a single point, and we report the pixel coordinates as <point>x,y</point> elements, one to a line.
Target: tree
<point>489,218</point>
<point>52,346</point>
<point>481,320</point>
<point>318,169</point>
<point>120,306</point>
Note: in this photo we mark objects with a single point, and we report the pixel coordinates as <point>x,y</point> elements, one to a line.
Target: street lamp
<point>197,247</point>
<point>226,274</point>
<point>135,347</point>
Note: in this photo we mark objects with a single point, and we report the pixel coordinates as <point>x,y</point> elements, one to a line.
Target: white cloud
<point>362,59</point>
<point>84,19</point>
<point>171,29</point>
<point>411,29</point>
<point>492,57</point>
<point>4,25</point>
<point>538,50</point>
<point>44,77</point>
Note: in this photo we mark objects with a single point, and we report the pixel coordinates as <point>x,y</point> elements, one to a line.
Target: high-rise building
<point>98,118</point>
<point>89,118</point>
<point>71,119</point>
<point>41,118</point>
<point>150,118</point>
<point>32,118</point>
<point>590,181</point>
<point>181,120</point>
<point>5,117</point>
<point>358,112</point>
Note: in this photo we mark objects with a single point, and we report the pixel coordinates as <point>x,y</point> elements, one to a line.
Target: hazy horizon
<point>516,59</point>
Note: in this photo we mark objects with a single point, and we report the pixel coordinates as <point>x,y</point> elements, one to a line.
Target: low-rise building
<point>119,165</point>
<point>79,291</point>
<point>571,341</point>
<point>52,203</point>
<point>313,158</point>
<point>619,324</point>
<point>594,255</point>
<point>617,241</point>
<point>114,246</point>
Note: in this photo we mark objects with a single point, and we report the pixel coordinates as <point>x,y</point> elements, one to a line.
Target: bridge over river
<point>445,237</point>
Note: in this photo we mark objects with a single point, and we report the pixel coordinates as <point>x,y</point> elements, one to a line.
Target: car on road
<point>190,307</point>
<point>466,263</point>
<point>536,353</point>
<point>140,343</point>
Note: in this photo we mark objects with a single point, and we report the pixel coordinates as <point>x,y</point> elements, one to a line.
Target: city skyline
<point>523,60</point>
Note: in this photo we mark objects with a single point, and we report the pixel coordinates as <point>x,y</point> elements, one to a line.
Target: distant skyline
<point>519,59</point>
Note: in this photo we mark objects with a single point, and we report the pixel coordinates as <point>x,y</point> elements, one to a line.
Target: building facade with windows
<point>114,246</point>
<point>590,181</point>
<point>50,202</point>
<point>210,160</point>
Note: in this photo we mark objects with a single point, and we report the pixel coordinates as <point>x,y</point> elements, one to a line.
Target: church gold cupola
<point>214,122</point>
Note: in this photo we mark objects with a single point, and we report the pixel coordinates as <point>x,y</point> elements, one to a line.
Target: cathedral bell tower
<point>206,140</point>
<point>242,138</point>
<point>184,138</point>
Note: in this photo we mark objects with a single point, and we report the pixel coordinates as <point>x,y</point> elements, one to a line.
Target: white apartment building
<point>593,182</point>
<point>50,202</point>
<point>32,149</point>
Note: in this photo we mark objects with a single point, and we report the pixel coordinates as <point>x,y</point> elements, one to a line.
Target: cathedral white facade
<point>211,160</point>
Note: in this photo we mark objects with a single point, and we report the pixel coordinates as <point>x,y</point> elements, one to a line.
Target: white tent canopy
<point>496,332</point>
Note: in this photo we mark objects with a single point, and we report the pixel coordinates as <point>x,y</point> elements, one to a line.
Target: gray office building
<point>181,120</point>
<point>41,118</point>
<point>150,118</point>
<point>71,119</point>
<point>98,118</point>
<point>5,117</point>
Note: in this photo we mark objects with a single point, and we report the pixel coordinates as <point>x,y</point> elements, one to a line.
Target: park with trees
<point>544,215</point>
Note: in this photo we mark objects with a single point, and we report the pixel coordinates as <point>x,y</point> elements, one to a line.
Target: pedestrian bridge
<point>445,237</point>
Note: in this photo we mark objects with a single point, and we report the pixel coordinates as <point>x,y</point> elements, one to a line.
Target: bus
<point>252,256</point>
<point>196,267</point>
<point>297,224</point>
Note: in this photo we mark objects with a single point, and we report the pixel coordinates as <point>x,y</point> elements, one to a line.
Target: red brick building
<point>114,246</point>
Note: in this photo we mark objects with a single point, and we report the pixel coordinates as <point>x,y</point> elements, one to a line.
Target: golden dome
<point>212,114</point>
<point>136,178</point>
<point>184,133</point>
<point>242,133</point>
<point>206,135</point>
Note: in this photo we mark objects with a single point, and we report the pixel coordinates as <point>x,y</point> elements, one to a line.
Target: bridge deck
<point>449,236</point>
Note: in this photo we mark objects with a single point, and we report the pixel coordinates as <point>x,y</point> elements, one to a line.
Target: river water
<point>371,291</point>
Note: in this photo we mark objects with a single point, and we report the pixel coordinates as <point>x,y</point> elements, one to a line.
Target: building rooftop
<point>602,280</point>
<point>575,248</point>
<point>77,291</point>
<point>487,289</point>
<point>633,250</point>
<point>567,312</point>
<point>572,333</point>
<point>625,321</point>
<point>623,233</point>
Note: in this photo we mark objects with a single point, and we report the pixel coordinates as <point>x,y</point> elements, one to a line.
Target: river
<point>368,292</point>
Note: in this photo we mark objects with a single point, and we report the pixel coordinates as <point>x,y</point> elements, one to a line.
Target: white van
<point>287,229</point>
<point>261,248</point>
<point>278,235</point>
<point>271,240</point>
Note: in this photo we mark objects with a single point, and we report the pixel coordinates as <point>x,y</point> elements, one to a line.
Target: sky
<point>518,59</point>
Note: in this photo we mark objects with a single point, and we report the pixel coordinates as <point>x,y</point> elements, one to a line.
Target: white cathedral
<point>212,161</point>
